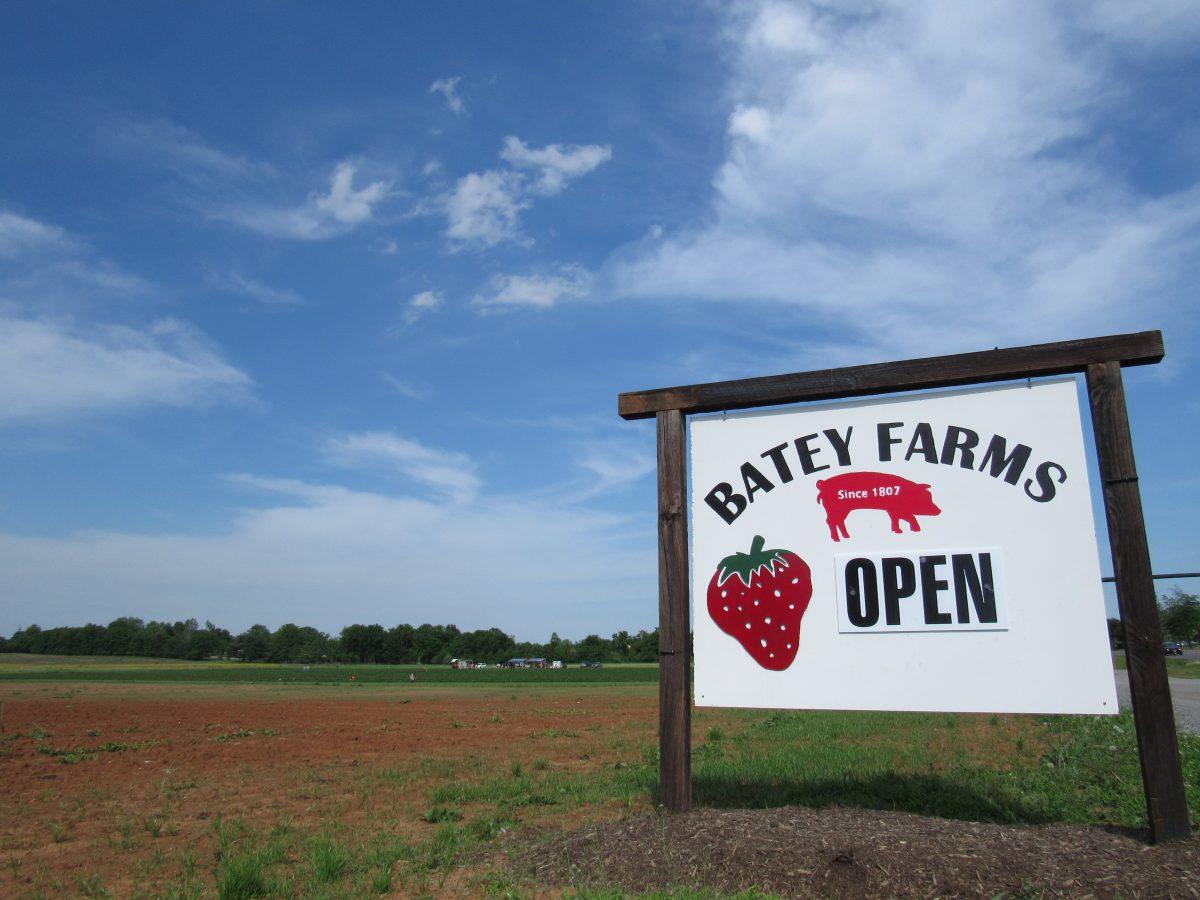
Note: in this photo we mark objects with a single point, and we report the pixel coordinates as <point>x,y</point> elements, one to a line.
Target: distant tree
<point>1180,615</point>
<point>427,644</point>
<point>645,646</point>
<point>253,644</point>
<point>434,643</point>
<point>398,645</point>
<point>24,640</point>
<point>1116,634</point>
<point>123,637</point>
<point>363,643</point>
<point>593,647</point>
<point>209,641</point>
<point>622,645</point>
<point>483,645</point>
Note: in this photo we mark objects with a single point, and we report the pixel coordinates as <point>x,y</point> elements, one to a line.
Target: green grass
<point>329,860</point>
<point>1031,769</point>
<point>242,877</point>
<point>1009,769</point>
<point>1006,769</point>
<point>154,671</point>
<point>1176,667</point>
<point>1073,769</point>
<point>438,814</point>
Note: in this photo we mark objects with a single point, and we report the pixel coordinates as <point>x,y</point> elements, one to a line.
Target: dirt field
<point>250,790</point>
<point>180,759</point>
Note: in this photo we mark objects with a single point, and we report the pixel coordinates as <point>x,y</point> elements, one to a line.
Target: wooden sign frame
<point>1100,360</point>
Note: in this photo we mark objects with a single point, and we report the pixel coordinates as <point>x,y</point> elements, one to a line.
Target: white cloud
<point>326,555</point>
<point>175,147</point>
<point>404,388</point>
<point>426,300</point>
<point>58,363</point>
<point>54,370</point>
<point>448,88</point>
<point>344,203</point>
<point>484,208</point>
<point>539,291</point>
<point>321,216</point>
<point>20,236</point>
<point>48,271</point>
<point>614,465</point>
<point>1156,26</point>
<point>555,163</point>
<point>751,122</point>
<point>257,290</point>
<point>449,473</point>
<point>924,176</point>
<point>421,304</point>
<point>233,188</point>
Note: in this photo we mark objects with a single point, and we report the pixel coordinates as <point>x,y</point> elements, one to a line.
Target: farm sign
<point>929,552</point>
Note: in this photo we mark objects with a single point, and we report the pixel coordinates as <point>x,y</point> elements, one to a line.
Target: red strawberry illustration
<point>759,598</point>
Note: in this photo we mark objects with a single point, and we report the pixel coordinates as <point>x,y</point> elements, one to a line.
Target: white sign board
<point>928,552</point>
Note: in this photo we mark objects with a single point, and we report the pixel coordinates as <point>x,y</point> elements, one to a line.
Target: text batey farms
<point>954,445</point>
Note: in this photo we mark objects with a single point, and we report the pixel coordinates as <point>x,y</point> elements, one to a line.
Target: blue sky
<point>319,315</point>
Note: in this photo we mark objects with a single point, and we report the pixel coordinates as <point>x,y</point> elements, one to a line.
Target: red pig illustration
<point>901,499</point>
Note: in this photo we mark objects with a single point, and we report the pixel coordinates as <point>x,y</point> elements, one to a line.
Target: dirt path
<point>1185,697</point>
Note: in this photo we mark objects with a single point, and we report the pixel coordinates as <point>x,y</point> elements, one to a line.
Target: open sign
<point>933,590</point>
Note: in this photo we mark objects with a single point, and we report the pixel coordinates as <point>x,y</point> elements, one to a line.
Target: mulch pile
<point>843,852</point>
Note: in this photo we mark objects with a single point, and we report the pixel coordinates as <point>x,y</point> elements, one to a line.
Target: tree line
<point>1178,615</point>
<point>422,644</point>
<point>427,644</point>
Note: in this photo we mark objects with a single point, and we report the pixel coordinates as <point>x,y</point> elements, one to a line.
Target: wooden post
<point>1150,692</point>
<point>674,671</point>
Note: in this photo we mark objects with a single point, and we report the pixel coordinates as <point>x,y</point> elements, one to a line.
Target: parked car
<point>1173,648</point>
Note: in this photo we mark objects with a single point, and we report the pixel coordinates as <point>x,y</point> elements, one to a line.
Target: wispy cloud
<point>345,204</point>
<point>322,215</point>
<point>422,303</point>
<point>484,208</point>
<point>537,291</point>
<point>231,187</point>
<point>404,388</point>
<point>613,465</point>
<point>20,236</point>
<point>257,290</point>
<point>555,164</point>
<point>59,370</point>
<point>48,271</point>
<point>172,146</point>
<point>449,473</point>
<point>417,307</point>
<point>448,88</point>
<point>329,555</point>
<point>910,177</point>
<point>57,363</point>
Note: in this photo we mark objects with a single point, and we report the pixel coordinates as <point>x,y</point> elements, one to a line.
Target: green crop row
<point>250,673</point>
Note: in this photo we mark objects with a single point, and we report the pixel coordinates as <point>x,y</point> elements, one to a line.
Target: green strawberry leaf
<point>747,565</point>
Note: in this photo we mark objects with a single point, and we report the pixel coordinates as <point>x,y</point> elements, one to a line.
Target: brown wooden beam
<point>1149,689</point>
<point>915,374</point>
<point>674,671</point>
